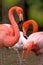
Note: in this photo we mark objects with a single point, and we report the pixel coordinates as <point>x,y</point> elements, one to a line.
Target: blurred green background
<point>6,5</point>
<point>33,9</point>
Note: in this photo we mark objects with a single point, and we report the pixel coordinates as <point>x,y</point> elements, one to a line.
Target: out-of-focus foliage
<point>35,11</point>
<point>6,5</point>
<point>9,3</point>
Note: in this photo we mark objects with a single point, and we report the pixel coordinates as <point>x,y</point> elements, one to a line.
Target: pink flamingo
<point>9,34</point>
<point>35,43</point>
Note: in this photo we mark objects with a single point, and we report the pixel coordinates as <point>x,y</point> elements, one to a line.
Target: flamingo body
<point>6,27</point>
<point>35,43</point>
<point>37,38</point>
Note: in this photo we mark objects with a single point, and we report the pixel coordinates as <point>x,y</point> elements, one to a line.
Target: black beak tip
<point>25,37</point>
<point>20,22</point>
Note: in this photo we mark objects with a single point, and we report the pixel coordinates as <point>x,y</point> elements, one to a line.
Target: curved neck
<point>14,24</point>
<point>34,24</point>
<point>11,17</point>
<point>26,25</point>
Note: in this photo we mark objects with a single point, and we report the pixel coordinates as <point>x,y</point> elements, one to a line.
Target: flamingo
<point>9,34</point>
<point>35,43</point>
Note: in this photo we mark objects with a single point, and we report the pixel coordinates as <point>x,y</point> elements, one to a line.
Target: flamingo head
<point>24,33</point>
<point>27,48</point>
<point>25,28</point>
<point>19,11</point>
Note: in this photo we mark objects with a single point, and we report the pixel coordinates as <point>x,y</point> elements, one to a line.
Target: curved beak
<point>24,32</point>
<point>20,17</point>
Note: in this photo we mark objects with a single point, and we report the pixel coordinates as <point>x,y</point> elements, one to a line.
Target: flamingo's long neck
<point>27,24</point>
<point>14,24</point>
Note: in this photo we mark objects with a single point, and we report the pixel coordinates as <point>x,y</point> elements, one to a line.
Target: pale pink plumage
<point>35,43</point>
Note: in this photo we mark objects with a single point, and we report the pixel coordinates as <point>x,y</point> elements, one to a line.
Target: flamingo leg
<point>19,58</point>
<point>41,60</point>
<point>40,52</point>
